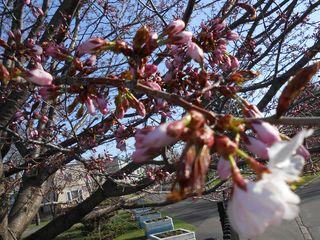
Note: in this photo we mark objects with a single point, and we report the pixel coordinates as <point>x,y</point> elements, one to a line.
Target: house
<point>70,186</point>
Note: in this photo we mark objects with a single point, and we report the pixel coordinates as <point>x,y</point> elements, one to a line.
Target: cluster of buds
<point>121,144</point>
<point>93,102</point>
<point>126,99</point>
<point>213,39</point>
<point>56,51</point>
<point>175,33</point>
<point>145,42</point>
<point>150,141</point>
<point>266,135</point>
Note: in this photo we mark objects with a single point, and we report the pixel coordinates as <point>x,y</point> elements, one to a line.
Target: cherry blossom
<point>252,210</point>
<point>283,162</point>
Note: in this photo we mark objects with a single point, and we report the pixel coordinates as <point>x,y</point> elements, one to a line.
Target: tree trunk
<point>3,206</point>
<point>27,204</point>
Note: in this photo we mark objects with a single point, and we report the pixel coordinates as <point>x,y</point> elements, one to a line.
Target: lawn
<point>121,227</point>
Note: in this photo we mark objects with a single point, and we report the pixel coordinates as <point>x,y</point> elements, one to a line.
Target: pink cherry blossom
<point>288,199</point>
<point>252,210</point>
<point>195,52</point>
<point>284,159</point>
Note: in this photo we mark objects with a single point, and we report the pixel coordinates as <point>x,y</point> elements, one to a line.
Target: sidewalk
<point>204,215</point>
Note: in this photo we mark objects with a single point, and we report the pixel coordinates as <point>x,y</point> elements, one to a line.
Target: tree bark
<point>27,204</point>
<point>3,206</point>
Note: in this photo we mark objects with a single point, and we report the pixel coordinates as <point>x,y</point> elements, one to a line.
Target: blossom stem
<point>232,162</point>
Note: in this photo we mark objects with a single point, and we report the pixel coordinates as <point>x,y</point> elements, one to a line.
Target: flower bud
<point>195,52</point>
<point>39,76</point>
<point>224,146</point>
<point>90,106</point>
<point>266,132</point>
<point>175,27</point>
<point>257,147</point>
<point>232,36</point>
<point>150,69</point>
<point>91,46</point>
<point>180,38</point>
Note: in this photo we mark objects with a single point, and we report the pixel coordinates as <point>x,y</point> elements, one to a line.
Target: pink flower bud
<point>37,50</point>
<point>91,46</point>
<point>150,69</point>
<point>39,76</point>
<point>232,36</point>
<point>175,27</point>
<point>34,133</point>
<point>141,109</point>
<point>195,52</point>
<point>150,141</point>
<point>44,119</point>
<point>220,26</point>
<point>257,147</point>
<point>266,132</point>
<point>90,106</point>
<point>27,2</point>
<point>102,104</point>
<point>153,85</point>
<point>91,61</point>
<point>180,38</point>
<point>234,62</point>
<point>56,51</point>
<point>303,152</point>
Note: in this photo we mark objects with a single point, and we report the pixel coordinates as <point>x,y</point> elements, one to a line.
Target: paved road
<point>204,215</point>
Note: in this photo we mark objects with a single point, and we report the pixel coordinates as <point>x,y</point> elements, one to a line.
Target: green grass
<point>42,224</point>
<point>121,227</point>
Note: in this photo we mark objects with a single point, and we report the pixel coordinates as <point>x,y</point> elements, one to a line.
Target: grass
<point>42,224</point>
<point>121,227</point>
